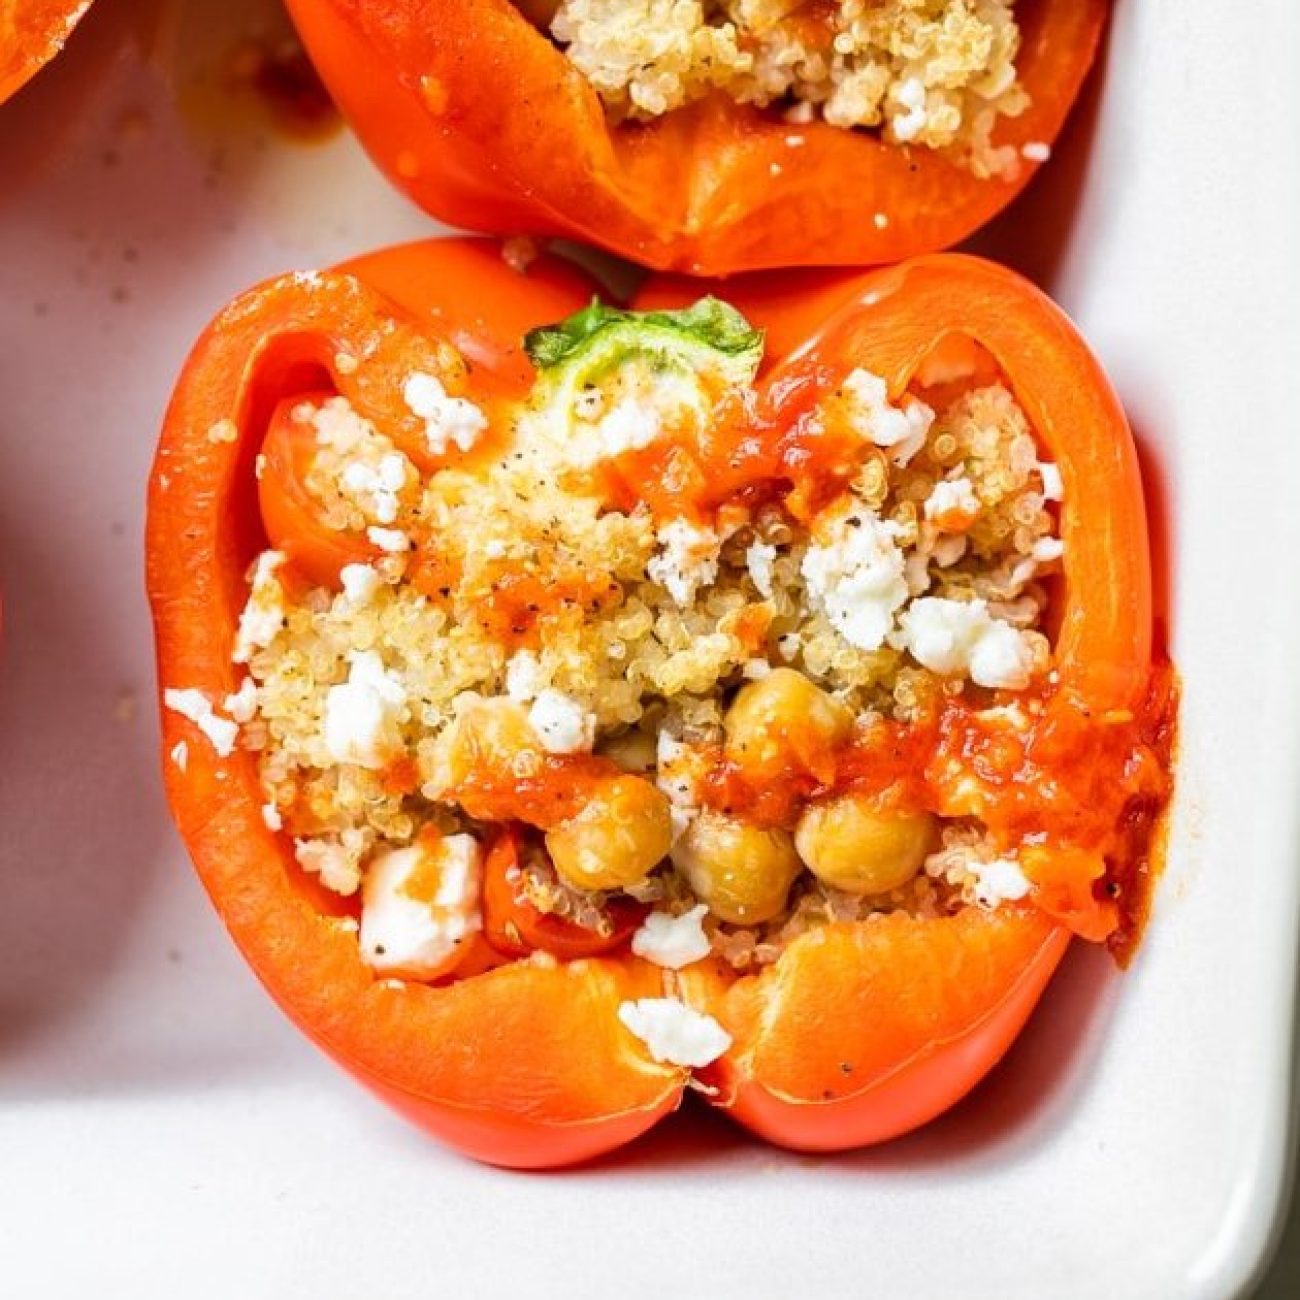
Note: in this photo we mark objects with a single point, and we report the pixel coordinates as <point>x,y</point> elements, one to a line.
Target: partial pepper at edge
<point>476,115</point>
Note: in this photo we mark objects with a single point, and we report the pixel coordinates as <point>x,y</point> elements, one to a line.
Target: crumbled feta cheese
<point>224,431</point>
<point>759,558</point>
<point>524,679</point>
<point>1047,549</point>
<point>336,862</point>
<point>376,489</point>
<point>675,1033</point>
<point>901,430</point>
<point>687,559</point>
<point>242,704</point>
<point>952,503</point>
<point>271,816</point>
<point>673,941</point>
<point>390,540</point>
<point>447,420</point>
<point>196,706</point>
<point>913,119</point>
<point>419,904</point>
<point>677,773</point>
<point>630,426</point>
<point>998,881</point>
<point>263,615</point>
<point>957,638</point>
<point>562,724</point>
<point>1053,488</point>
<point>1001,657</point>
<point>363,715</point>
<point>787,646</point>
<point>1036,151</point>
<point>855,574</point>
<point>361,583</point>
<point>755,669</point>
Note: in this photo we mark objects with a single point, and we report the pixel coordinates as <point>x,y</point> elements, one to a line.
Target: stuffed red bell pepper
<point>713,136</point>
<point>564,705</point>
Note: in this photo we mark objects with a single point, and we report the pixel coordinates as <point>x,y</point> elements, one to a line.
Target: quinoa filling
<point>695,717</point>
<point>937,74</point>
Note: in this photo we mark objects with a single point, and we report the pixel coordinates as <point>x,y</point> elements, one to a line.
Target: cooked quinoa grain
<point>931,73</point>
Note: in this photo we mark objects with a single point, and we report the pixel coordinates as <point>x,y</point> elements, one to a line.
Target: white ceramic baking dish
<point>164,1128</point>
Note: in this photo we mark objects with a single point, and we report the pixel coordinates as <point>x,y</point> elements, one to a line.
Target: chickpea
<point>618,838</point>
<point>851,846</point>
<point>782,716</point>
<point>742,872</point>
<point>491,734</point>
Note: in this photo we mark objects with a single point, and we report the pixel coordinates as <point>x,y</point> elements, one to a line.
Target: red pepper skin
<point>859,1032</point>
<point>711,189</point>
<point>515,927</point>
<point>32,32</point>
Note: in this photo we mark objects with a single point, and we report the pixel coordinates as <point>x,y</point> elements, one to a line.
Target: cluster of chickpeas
<point>742,871</point>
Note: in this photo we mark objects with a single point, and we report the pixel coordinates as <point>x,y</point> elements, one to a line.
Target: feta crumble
<point>908,124</point>
<point>960,638</point>
<point>376,488</point>
<point>390,540</point>
<point>524,679</point>
<point>447,420</point>
<point>687,559</point>
<point>1036,151</point>
<point>759,559</point>
<point>263,615</point>
<point>856,574</point>
<point>997,882</point>
<point>562,724</point>
<point>952,503</point>
<point>675,1033</point>
<point>1053,487</point>
<point>901,430</point>
<point>419,904</point>
<point>361,583</point>
<point>673,941</point>
<point>676,772</point>
<point>242,704</point>
<point>630,425</point>
<point>363,715</point>
<point>196,706</point>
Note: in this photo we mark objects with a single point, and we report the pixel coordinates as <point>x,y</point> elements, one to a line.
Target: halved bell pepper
<point>32,32</point>
<point>477,116</point>
<point>859,1031</point>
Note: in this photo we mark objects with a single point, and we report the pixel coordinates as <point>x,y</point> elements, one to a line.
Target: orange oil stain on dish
<point>239,73</point>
